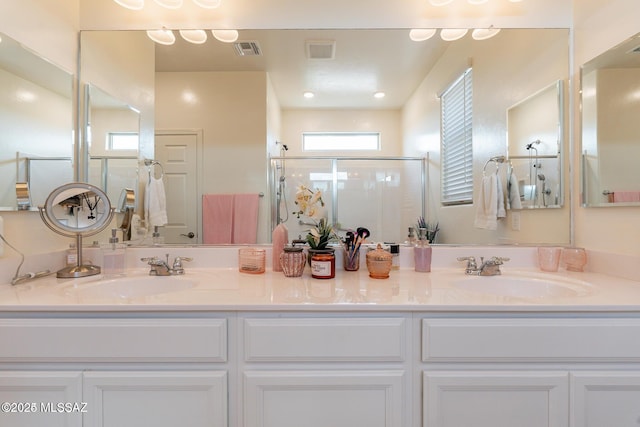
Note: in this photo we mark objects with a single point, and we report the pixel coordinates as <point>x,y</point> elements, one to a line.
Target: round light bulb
<point>194,36</point>
<point>451,34</point>
<point>163,36</point>
<point>484,33</point>
<point>379,95</point>
<point>421,34</point>
<point>308,94</point>
<point>226,36</point>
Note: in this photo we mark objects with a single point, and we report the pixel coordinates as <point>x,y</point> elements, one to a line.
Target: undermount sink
<point>524,286</point>
<point>131,287</point>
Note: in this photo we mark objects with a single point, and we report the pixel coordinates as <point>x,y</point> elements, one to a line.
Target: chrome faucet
<point>161,267</point>
<point>490,267</point>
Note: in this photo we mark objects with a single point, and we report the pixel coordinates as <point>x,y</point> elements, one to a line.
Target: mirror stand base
<point>78,271</point>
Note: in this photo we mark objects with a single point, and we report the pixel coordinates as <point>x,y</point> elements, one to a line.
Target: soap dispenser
<point>113,256</point>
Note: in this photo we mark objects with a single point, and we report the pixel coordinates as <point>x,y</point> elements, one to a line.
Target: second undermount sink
<point>131,287</point>
<point>525,286</point>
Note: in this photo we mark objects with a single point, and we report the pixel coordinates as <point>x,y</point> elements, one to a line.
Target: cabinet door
<point>324,398</point>
<point>31,399</point>
<point>156,398</point>
<point>496,399</point>
<point>605,399</point>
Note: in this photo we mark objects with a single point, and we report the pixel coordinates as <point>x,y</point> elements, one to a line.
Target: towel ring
<point>150,164</point>
<point>497,160</point>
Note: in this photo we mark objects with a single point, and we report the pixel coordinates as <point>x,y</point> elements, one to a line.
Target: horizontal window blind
<point>457,144</point>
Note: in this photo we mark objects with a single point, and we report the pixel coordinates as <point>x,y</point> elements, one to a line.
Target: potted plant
<point>310,204</point>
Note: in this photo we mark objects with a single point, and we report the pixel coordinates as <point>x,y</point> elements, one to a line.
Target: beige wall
<point>506,70</point>
<point>231,110</point>
<point>600,25</point>
<point>387,122</point>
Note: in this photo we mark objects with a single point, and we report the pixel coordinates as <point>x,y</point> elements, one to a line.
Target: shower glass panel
<point>386,195</point>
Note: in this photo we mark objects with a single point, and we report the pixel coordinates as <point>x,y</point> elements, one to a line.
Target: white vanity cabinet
<point>318,371</point>
<point>115,371</point>
<point>530,371</point>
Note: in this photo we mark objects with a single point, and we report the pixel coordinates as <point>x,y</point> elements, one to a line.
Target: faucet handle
<point>150,260</point>
<point>471,261</point>
<point>499,260</point>
<point>177,262</point>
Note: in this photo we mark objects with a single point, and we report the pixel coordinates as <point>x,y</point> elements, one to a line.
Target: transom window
<point>122,141</point>
<point>340,141</point>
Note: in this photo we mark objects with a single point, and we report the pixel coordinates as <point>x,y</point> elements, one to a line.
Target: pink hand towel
<point>217,218</point>
<point>626,196</point>
<point>245,218</point>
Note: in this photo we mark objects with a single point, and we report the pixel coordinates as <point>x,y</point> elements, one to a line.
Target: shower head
<point>529,146</point>
<point>285,147</point>
<point>541,177</point>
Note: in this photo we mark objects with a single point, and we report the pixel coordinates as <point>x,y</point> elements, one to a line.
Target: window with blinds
<point>457,144</point>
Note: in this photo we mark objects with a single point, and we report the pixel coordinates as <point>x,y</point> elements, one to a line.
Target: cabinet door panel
<point>158,399</point>
<point>321,399</point>
<point>35,396</point>
<point>605,399</point>
<point>496,399</point>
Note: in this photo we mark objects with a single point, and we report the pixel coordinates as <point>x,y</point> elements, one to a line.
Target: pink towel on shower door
<point>245,218</point>
<point>626,196</point>
<point>217,218</point>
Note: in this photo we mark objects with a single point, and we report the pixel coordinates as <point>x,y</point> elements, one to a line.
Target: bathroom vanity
<point>219,348</point>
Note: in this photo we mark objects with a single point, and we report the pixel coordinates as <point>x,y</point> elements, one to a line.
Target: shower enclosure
<point>384,194</point>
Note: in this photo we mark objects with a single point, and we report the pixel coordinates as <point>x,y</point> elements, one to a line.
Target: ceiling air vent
<point>247,48</point>
<point>321,49</point>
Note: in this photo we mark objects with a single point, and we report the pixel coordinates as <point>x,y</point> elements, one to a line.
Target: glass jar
<point>292,261</point>
<point>251,260</point>
<point>323,264</point>
<point>351,259</point>
<point>379,263</point>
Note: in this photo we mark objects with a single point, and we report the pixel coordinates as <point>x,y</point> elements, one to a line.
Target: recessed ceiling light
<point>308,94</point>
<point>421,34</point>
<point>170,4</point>
<point>226,36</point>
<point>451,34</point>
<point>379,95</point>
<point>194,36</point>
<point>131,4</point>
<point>163,36</point>
<point>208,4</point>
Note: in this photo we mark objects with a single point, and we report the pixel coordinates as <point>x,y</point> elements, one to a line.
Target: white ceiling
<point>365,61</point>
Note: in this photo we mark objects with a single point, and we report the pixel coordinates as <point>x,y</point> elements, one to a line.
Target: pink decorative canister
<point>574,258</point>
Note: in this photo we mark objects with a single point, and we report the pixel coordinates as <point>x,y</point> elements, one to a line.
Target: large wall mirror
<point>36,113</point>
<point>235,105</point>
<point>610,127</point>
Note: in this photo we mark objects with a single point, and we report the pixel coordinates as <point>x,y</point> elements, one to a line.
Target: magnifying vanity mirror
<point>36,117</point>
<point>77,210</point>
<point>610,127</point>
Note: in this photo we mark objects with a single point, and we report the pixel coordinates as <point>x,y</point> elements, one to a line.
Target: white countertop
<point>226,289</point>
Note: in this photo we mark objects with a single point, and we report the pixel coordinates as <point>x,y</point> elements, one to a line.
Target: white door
<point>345,398</point>
<point>177,152</point>
<point>156,399</point>
<point>496,399</point>
<point>30,399</point>
<point>605,399</point>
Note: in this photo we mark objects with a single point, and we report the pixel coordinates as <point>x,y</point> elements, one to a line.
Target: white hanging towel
<point>513,192</point>
<point>487,209</point>
<point>155,203</point>
<point>501,212</point>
